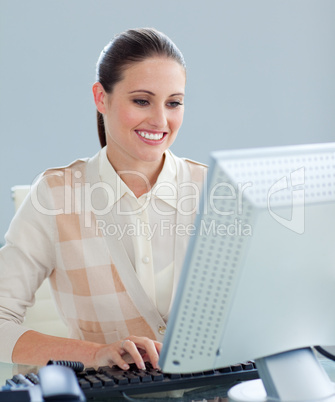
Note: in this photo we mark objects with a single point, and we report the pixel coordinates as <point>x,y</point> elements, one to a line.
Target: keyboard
<point>106,382</point>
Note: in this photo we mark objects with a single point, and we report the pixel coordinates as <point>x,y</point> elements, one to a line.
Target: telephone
<point>57,383</point>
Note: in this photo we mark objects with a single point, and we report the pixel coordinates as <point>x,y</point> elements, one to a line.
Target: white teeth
<point>150,136</point>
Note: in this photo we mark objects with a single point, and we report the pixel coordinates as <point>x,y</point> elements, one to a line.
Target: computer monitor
<point>259,274</point>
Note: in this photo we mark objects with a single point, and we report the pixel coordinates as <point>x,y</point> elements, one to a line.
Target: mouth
<point>150,135</point>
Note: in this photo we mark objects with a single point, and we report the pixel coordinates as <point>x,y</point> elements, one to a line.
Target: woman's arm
<point>26,260</point>
<point>37,349</point>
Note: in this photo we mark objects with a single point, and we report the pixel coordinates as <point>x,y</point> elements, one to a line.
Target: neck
<point>140,176</point>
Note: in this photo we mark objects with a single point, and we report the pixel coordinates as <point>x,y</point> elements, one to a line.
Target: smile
<point>150,136</point>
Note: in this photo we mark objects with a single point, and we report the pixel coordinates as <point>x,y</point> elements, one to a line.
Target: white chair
<point>43,315</point>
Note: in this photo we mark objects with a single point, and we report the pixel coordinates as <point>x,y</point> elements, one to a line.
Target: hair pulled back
<point>131,46</point>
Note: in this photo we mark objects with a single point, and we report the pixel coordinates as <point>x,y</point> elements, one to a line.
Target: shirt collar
<point>165,187</point>
<point>110,178</point>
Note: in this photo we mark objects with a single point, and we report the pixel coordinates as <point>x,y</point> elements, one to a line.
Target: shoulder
<point>61,175</point>
<point>195,164</point>
<point>196,170</point>
<point>76,164</point>
<point>187,161</point>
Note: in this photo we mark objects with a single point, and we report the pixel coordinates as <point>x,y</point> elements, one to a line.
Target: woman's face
<point>143,113</point>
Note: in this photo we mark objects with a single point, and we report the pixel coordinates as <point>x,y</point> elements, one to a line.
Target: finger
<point>131,348</point>
<point>116,358</point>
<point>159,346</point>
<point>151,348</point>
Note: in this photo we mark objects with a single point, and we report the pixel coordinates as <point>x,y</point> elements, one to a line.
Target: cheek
<point>130,117</point>
<point>177,120</point>
<point>126,117</point>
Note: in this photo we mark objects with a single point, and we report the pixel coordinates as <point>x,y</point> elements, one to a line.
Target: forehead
<point>153,72</point>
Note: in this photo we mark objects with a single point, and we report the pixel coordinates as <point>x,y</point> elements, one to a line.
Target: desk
<point>213,394</point>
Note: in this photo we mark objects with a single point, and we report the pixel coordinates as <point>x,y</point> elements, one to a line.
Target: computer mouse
<point>59,383</point>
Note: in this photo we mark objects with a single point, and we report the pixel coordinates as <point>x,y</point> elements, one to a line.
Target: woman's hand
<point>133,349</point>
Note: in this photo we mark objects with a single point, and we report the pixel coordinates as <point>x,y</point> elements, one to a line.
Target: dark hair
<point>129,47</point>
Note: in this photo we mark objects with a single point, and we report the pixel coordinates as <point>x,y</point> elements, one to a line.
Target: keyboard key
<point>247,366</point>
<point>227,369</point>
<point>144,376</point>
<point>175,376</point>
<point>209,372</point>
<point>156,375</point>
<point>199,374</point>
<point>84,384</point>
<point>132,377</point>
<point>236,367</point>
<point>90,371</point>
<point>95,383</point>
<point>106,381</point>
<point>120,379</point>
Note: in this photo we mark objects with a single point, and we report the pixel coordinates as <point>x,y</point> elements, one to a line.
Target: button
<point>146,259</point>
<point>140,210</point>
<point>161,329</point>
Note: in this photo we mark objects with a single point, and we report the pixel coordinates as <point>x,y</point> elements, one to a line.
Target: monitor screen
<point>259,274</point>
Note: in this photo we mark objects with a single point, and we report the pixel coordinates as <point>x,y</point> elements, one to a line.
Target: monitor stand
<point>292,376</point>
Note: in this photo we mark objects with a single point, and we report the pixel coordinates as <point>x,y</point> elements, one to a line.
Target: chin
<point>152,156</point>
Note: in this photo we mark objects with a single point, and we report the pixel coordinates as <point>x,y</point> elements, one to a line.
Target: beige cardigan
<point>55,235</point>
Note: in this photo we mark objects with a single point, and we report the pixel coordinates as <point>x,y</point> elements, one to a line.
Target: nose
<point>158,117</point>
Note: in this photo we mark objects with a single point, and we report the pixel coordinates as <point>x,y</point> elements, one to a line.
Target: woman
<point>104,229</point>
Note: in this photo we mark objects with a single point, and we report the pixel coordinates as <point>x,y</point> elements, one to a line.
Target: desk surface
<point>214,394</point>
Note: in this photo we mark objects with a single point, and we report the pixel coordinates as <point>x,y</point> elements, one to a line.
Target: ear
<point>100,97</point>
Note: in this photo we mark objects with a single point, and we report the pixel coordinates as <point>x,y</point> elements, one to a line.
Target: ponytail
<point>101,129</point>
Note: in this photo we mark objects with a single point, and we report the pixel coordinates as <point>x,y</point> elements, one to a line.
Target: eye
<point>175,104</point>
<point>141,102</point>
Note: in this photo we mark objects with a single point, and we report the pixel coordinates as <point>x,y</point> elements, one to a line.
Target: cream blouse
<point>145,224</point>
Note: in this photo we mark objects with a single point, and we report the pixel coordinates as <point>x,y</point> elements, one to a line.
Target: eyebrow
<point>151,93</point>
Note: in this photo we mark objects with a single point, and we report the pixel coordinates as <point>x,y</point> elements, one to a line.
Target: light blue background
<point>260,72</point>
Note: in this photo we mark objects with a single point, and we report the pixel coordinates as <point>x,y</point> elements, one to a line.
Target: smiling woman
<point>126,49</point>
<point>142,115</point>
<point>108,287</point>
<point>139,100</point>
